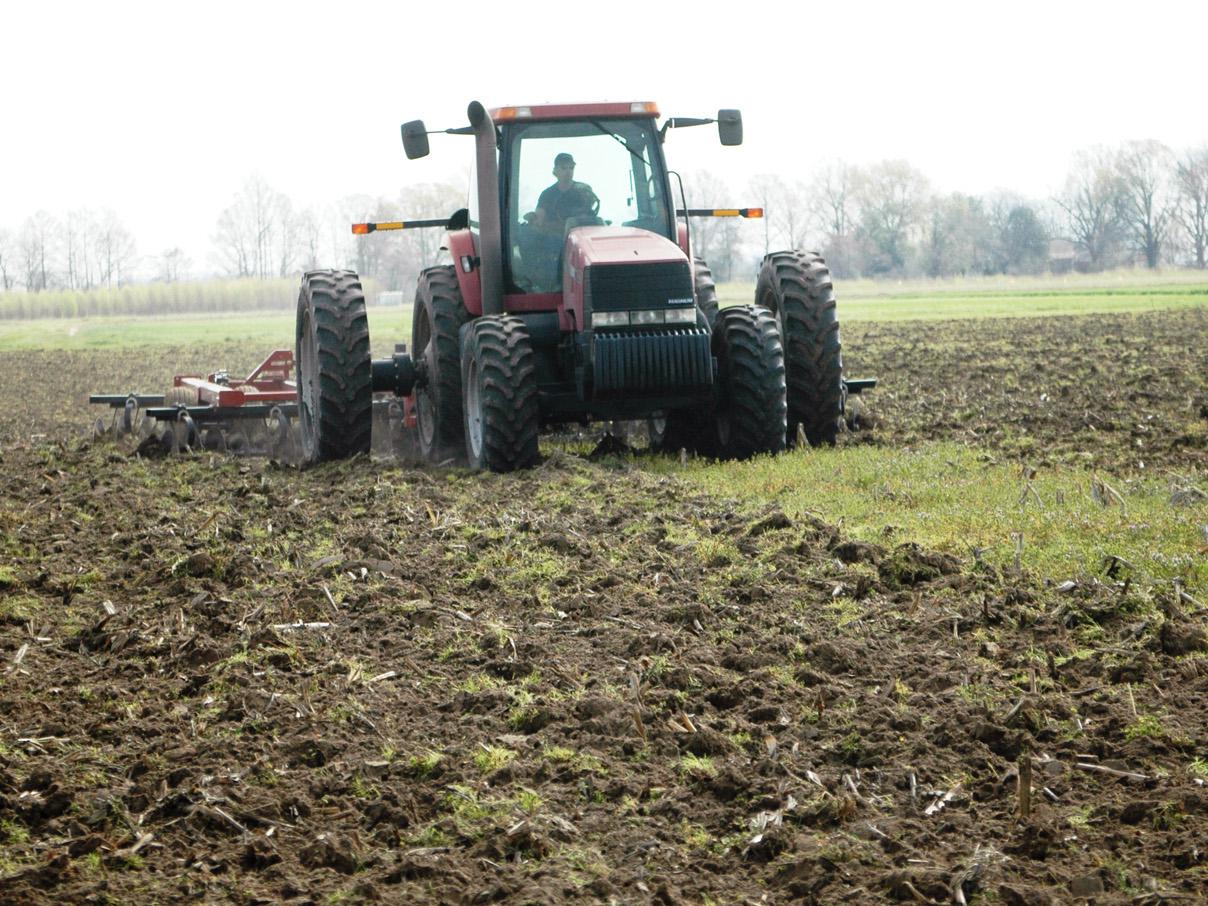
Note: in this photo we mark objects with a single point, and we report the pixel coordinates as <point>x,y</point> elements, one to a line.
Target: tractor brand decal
<point>687,301</point>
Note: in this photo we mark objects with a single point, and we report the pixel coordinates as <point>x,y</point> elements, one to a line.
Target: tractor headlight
<point>681,316</point>
<point>610,318</point>
<point>642,318</point>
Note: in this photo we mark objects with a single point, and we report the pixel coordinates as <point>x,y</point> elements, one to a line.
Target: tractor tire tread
<point>439,294</point>
<point>747,343</point>
<point>797,286</point>
<point>507,369</point>
<point>705,288</point>
<point>343,422</point>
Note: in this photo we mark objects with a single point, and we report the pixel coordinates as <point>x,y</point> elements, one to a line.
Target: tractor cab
<point>594,168</point>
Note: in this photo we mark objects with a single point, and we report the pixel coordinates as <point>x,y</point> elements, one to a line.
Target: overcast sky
<point>161,110</point>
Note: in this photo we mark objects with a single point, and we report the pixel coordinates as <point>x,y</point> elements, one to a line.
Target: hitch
<point>399,374</point>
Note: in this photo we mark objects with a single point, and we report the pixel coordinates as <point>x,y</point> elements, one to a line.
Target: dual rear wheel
<point>748,417</point>
<point>780,371</point>
<point>795,288</point>
<point>481,389</point>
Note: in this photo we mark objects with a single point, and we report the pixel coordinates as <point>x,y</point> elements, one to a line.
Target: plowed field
<point>227,680</point>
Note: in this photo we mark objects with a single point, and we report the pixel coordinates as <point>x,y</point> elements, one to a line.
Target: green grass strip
<point>957,499</point>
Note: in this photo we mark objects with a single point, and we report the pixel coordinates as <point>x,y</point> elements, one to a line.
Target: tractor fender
<point>463,248</point>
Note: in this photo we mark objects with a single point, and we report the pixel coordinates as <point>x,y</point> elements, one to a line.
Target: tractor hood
<point>617,245</point>
<point>622,269</point>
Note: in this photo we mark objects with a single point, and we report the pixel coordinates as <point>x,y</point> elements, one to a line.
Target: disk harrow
<point>254,415</point>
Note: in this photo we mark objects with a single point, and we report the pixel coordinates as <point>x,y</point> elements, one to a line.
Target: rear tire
<point>751,410</point>
<point>499,380</point>
<point>797,287</point>
<point>705,289</point>
<point>439,315</point>
<point>335,383</point>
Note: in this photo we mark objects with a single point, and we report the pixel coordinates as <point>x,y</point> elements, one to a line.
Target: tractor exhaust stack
<point>490,239</point>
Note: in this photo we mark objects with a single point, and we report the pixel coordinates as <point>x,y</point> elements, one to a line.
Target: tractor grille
<point>652,362</point>
<point>621,287</point>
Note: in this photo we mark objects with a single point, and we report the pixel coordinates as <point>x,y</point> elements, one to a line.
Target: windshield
<point>561,175</point>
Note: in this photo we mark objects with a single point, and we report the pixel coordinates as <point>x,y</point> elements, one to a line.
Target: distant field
<point>1001,297</point>
<point>859,300</point>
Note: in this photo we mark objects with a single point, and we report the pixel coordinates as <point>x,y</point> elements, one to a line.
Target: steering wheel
<point>595,205</point>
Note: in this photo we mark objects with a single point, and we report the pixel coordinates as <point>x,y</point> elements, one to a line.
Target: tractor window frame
<point>649,167</point>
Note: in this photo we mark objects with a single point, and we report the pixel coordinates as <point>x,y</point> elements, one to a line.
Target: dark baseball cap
<point>563,158</point>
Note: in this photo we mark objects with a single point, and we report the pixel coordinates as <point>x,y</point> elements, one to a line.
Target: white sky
<point>161,110</point>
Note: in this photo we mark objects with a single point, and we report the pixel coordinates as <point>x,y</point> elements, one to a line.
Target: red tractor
<point>575,301</point>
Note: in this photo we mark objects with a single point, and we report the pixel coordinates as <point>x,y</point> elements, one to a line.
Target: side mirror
<point>729,127</point>
<point>415,139</point>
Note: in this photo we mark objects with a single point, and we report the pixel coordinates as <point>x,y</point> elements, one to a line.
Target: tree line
<point>1139,203</point>
<point>83,250</point>
<point>1136,204</point>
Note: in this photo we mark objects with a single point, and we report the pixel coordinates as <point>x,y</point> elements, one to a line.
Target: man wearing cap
<point>565,198</point>
<point>542,236</point>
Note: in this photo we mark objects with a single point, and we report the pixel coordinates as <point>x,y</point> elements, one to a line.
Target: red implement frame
<point>269,382</point>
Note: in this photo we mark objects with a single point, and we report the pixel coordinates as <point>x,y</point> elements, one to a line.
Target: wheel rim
<point>658,428</point>
<point>425,404</point>
<point>308,387</point>
<point>425,418</point>
<point>473,411</point>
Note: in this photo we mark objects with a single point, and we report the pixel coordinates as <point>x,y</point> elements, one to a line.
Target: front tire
<point>499,380</point>
<point>750,415</point>
<point>335,382</point>
<point>797,287</point>
<point>439,315</point>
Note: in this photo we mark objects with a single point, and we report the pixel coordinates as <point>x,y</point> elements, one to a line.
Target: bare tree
<point>892,196</point>
<point>77,261</point>
<point>786,213</point>
<point>1191,185</point>
<point>957,237</point>
<point>114,249</point>
<point>249,240</point>
<point>832,198</point>
<point>710,238</point>
<point>36,251</point>
<point>1091,202</point>
<point>233,245</point>
<point>286,235</point>
<point>371,254</point>
<point>8,277</point>
<point>832,203</point>
<point>309,239</point>
<point>763,191</point>
<point>172,263</point>
<point>1147,199</point>
<point>420,248</point>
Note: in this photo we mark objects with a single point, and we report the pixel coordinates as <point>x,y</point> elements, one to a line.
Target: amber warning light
<point>721,212</point>
<point>364,229</point>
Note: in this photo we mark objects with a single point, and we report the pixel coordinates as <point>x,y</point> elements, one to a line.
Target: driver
<point>565,198</point>
<point>541,236</point>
